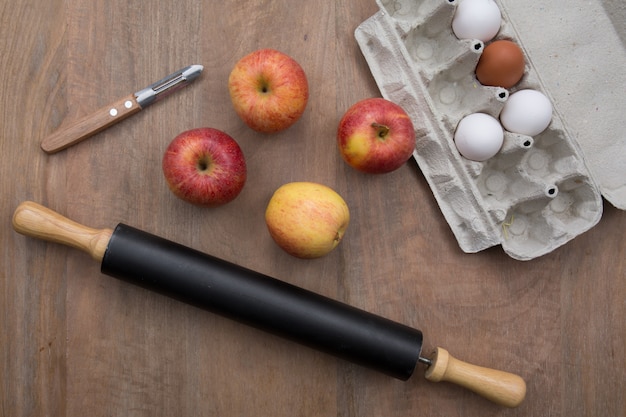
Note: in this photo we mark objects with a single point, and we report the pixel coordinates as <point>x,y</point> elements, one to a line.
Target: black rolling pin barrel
<point>264,302</point>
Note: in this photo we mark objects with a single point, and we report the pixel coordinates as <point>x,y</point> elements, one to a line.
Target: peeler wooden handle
<point>91,124</point>
<point>501,387</point>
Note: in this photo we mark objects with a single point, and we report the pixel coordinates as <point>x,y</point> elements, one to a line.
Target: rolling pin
<point>263,302</point>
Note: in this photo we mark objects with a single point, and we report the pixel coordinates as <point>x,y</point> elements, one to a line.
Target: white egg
<point>478,136</point>
<point>477,19</point>
<point>527,112</point>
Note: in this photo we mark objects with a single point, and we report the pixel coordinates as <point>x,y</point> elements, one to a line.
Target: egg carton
<point>536,194</point>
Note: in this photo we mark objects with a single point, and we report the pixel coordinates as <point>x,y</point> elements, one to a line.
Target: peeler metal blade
<point>168,85</point>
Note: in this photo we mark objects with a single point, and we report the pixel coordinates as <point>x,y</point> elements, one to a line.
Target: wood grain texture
<point>75,342</point>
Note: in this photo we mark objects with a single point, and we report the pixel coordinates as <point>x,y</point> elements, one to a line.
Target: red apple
<point>376,136</point>
<point>205,166</point>
<point>269,90</point>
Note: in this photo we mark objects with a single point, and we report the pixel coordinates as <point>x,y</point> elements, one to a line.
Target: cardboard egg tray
<point>536,194</point>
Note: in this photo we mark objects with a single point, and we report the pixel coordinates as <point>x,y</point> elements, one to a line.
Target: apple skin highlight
<point>376,136</point>
<point>205,167</point>
<point>269,90</point>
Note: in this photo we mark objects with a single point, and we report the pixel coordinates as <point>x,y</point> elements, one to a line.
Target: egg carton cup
<point>537,193</point>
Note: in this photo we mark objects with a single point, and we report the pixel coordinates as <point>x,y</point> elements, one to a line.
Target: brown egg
<point>501,64</point>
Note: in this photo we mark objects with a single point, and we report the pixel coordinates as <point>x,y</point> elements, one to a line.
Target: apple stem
<point>203,165</point>
<point>383,130</point>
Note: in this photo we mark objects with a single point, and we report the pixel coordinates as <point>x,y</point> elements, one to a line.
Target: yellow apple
<point>306,219</point>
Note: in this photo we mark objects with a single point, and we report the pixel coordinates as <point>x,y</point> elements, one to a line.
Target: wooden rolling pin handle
<point>91,124</point>
<point>34,220</point>
<point>501,387</point>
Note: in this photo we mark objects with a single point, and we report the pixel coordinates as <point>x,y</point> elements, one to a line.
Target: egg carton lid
<point>578,55</point>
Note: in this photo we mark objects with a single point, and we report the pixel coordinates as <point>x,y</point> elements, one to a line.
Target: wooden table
<point>77,343</point>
